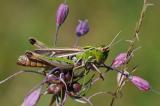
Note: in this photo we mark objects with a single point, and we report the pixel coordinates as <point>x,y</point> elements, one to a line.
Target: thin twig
<point>17,73</point>
<point>138,26</point>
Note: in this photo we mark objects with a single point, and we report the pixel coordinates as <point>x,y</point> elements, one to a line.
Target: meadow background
<point>20,19</point>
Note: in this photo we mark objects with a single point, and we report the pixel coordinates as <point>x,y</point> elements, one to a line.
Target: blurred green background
<point>20,19</point>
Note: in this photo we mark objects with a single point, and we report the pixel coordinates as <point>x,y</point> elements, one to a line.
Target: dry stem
<point>132,43</point>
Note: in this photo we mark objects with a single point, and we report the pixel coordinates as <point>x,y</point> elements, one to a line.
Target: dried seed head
<point>140,83</point>
<point>121,78</point>
<point>121,59</point>
<point>82,28</point>
<point>62,14</point>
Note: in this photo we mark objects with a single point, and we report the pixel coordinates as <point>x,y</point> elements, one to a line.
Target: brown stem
<point>133,41</point>
<point>138,26</point>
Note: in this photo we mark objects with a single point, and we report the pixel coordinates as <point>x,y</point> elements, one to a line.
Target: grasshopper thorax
<point>94,54</point>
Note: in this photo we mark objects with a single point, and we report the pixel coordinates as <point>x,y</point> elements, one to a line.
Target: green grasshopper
<point>88,57</point>
<point>48,59</point>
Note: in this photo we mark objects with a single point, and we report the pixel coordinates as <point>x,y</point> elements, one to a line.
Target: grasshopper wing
<point>54,62</point>
<point>59,52</point>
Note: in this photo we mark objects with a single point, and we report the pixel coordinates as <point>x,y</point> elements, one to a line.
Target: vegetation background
<point>20,19</point>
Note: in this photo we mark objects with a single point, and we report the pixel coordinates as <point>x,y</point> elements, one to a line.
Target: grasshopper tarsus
<point>101,76</point>
<point>32,40</point>
<point>37,43</point>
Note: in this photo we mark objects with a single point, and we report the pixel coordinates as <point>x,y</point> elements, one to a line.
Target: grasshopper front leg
<point>95,67</point>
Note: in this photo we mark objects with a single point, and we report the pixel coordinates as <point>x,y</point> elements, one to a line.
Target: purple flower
<point>62,14</point>
<point>82,28</point>
<point>121,59</point>
<point>140,83</point>
<point>32,98</point>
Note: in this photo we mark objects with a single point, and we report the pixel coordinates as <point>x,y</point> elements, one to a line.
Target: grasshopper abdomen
<point>25,61</point>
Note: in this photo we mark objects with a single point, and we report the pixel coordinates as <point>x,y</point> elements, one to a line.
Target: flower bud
<point>76,87</point>
<point>67,77</point>
<point>52,79</point>
<point>62,14</point>
<point>54,89</point>
<point>120,60</point>
<point>32,98</point>
<point>140,83</point>
<point>82,28</point>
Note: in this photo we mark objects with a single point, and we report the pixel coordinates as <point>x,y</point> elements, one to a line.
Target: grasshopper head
<point>105,49</point>
<point>105,52</point>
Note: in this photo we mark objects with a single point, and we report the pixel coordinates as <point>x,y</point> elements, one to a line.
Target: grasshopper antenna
<point>114,38</point>
<point>113,41</point>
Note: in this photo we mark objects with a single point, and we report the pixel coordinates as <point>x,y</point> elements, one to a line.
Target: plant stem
<point>132,43</point>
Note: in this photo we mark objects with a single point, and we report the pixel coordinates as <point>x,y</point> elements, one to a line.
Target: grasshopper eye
<point>105,49</point>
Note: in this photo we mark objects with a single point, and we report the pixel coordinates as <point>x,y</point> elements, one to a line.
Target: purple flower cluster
<point>59,84</point>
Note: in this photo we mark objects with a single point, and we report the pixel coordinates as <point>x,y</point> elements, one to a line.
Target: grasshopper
<point>48,57</point>
<point>88,57</point>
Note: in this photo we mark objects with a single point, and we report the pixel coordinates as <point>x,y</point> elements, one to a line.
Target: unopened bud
<point>120,60</point>
<point>67,77</point>
<point>82,28</point>
<point>140,83</point>
<point>62,14</point>
<point>52,79</point>
<point>76,87</point>
<point>32,98</point>
<point>54,89</point>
